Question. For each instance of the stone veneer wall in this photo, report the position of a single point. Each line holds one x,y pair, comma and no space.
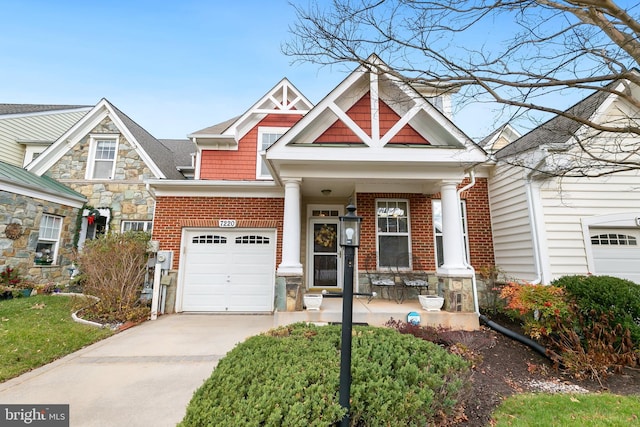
20,253
126,194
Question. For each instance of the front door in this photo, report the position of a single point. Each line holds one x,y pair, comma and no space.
323,250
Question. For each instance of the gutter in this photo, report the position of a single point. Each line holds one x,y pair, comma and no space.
533,220
474,285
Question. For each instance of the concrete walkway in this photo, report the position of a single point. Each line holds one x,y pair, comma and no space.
144,376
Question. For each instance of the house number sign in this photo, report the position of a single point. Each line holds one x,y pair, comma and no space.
226,223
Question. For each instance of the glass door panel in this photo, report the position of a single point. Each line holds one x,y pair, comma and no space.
325,254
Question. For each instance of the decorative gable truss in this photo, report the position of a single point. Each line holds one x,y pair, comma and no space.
373,109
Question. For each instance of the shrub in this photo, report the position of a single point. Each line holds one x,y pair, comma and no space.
290,376
598,295
113,269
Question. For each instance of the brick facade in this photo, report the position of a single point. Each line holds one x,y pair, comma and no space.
175,213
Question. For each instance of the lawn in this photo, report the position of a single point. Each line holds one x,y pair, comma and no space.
37,330
583,410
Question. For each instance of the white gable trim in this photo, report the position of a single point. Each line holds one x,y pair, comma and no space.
81,130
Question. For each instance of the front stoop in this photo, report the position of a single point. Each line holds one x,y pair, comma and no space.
377,313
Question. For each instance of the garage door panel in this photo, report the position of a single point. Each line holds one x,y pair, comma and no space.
616,252
229,271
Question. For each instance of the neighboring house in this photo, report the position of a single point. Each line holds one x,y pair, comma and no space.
544,226
259,221
107,157
499,138
26,130
37,224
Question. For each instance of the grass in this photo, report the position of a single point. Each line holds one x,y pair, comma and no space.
37,330
566,410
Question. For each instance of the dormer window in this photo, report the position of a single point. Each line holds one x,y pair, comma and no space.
102,157
266,137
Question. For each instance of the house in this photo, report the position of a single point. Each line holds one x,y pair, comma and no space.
37,224
96,169
256,227
26,130
585,222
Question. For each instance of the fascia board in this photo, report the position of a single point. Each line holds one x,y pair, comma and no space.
133,141
71,137
38,193
210,188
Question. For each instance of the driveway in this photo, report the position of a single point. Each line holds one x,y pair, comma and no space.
144,376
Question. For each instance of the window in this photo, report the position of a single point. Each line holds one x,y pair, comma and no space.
437,230
102,160
48,238
613,239
392,217
266,137
136,226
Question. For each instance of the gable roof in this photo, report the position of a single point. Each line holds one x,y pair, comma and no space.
403,117
283,98
9,109
559,128
18,180
156,156
499,138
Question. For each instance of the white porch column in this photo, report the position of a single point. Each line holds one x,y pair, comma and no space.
452,239
290,265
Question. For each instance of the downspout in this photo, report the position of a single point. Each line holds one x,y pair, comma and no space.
474,287
533,220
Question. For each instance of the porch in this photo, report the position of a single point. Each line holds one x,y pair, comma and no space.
377,313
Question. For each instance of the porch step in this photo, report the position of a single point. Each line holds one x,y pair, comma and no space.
377,313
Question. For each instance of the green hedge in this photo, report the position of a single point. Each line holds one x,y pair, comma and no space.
290,377
606,295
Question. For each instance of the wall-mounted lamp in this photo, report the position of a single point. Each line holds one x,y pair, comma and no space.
325,192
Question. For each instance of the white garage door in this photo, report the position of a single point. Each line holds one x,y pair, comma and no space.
616,252
229,271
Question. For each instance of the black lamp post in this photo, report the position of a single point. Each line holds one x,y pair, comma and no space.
349,240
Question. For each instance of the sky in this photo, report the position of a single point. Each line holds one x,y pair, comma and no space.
174,67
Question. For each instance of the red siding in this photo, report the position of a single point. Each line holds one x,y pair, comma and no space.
360,113
241,164
174,213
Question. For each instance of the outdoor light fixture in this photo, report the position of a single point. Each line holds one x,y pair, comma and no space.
350,240
350,228
326,192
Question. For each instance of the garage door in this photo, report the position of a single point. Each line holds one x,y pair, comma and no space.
616,252
229,271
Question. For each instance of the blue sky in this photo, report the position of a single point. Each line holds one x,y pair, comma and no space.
172,66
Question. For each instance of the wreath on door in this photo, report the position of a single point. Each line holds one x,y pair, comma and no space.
326,236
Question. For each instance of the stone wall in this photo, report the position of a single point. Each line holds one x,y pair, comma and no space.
19,253
126,194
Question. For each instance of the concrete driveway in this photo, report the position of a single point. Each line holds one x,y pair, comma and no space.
144,376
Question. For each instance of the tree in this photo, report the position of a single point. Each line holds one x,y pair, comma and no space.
524,55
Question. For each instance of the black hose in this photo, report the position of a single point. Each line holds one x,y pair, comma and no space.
514,335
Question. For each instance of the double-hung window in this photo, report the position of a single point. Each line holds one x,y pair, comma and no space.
392,219
437,230
48,239
266,137
102,157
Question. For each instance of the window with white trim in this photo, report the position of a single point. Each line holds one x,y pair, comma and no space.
48,239
102,157
613,239
392,233
437,230
144,226
266,137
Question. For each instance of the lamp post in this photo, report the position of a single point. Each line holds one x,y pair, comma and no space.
349,240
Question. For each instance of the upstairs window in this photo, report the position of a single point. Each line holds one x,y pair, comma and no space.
102,157
266,137
392,218
144,226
